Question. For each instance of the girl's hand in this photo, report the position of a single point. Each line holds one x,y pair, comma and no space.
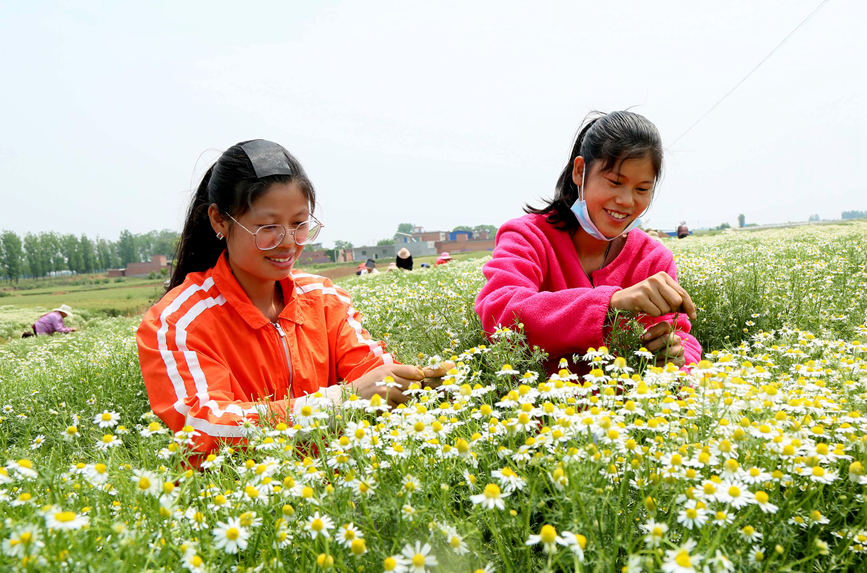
665,344
654,296
403,374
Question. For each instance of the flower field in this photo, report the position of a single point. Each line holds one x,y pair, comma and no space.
753,461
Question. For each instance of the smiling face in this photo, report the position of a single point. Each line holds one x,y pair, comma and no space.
282,204
616,197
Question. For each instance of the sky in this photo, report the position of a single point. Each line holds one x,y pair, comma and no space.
433,113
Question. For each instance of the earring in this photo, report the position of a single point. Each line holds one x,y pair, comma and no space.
220,236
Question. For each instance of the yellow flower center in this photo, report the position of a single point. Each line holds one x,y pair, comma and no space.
492,491
548,534
64,516
358,547
418,558
233,533
683,559
317,525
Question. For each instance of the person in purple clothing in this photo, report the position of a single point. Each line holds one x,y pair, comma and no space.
51,322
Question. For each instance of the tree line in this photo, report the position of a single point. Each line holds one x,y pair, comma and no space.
41,254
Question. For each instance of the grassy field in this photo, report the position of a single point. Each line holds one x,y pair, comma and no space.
753,461
91,297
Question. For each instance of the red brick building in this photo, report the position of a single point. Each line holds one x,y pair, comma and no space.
155,265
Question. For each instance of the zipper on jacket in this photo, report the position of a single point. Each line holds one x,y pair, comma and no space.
286,353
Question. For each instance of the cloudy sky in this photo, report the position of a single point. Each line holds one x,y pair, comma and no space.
434,113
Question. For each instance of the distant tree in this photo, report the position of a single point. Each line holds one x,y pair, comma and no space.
383,242
813,218
741,220
463,228
164,242
51,252
127,248
12,255
490,229
342,244
854,215
105,255
33,256
87,254
723,226
405,228
69,247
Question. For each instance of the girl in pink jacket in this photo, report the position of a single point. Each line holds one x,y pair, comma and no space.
561,268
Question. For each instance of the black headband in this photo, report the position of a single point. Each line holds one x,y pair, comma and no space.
267,158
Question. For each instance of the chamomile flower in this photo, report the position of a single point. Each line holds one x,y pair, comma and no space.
694,515
506,370
454,540
576,543
418,557
762,500
347,533
395,564
37,442
547,537
490,498
107,442
147,482
70,433
230,535
106,419
681,559
23,541
319,525
750,533
56,518
509,480
654,531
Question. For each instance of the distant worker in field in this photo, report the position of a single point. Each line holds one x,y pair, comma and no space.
682,230
241,335
51,322
404,259
444,258
561,268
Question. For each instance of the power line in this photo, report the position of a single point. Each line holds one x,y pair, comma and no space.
757,66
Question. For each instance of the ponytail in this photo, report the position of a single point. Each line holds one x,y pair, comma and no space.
198,247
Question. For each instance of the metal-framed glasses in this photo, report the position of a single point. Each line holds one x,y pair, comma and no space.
268,237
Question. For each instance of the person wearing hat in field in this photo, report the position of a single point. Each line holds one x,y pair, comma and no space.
51,322
444,258
403,259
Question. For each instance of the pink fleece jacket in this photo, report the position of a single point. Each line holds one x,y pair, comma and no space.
535,277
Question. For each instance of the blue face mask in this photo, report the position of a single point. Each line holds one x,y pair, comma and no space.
580,210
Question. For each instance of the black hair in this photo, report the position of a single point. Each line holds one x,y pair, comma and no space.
232,185
609,138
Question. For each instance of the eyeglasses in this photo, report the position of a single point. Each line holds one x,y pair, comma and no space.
268,237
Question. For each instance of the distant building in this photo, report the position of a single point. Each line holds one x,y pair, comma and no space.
155,265
375,252
314,254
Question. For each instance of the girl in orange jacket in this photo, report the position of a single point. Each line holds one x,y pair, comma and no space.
240,334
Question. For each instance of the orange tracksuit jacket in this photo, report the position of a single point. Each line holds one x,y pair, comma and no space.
211,359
